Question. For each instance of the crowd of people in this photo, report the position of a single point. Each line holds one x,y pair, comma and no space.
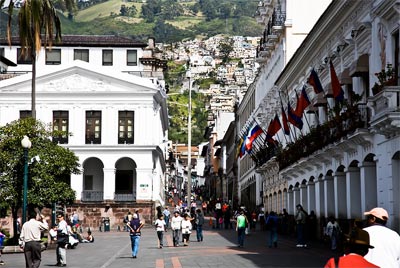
368,243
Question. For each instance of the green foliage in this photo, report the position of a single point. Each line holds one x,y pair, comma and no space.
225,48
175,74
206,83
50,166
178,108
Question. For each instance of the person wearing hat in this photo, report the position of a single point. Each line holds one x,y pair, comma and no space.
386,242
357,244
176,226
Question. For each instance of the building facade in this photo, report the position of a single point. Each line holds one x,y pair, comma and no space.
345,158
91,88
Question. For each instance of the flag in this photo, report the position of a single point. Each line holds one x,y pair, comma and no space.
293,118
273,128
314,81
239,152
254,132
302,103
337,90
285,125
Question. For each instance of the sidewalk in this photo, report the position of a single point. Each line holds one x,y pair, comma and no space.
219,249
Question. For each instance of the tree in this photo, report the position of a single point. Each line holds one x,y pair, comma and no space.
225,48
34,18
50,167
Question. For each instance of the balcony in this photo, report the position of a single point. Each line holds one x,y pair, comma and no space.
339,134
92,196
385,108
125,197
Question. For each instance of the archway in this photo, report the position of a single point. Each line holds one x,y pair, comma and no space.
125,180
93,180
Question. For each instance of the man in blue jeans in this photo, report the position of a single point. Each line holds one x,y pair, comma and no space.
135,226
199,225
241,222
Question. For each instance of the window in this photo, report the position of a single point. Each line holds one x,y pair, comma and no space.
131,57
81,54
60,125
25,114
88,184
24,59
53,56
2,51
125,127
107,57
93,127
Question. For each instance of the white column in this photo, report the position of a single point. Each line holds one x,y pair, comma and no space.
329,197
109,183
303,196
77,184
311,196
290,202
353,193
296,197
368,186
144,184
339,182
319,197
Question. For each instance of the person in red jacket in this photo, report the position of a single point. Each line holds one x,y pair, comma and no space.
356,247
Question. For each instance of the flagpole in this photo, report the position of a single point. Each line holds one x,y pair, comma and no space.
284,134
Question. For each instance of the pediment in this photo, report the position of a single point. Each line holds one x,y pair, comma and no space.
80,78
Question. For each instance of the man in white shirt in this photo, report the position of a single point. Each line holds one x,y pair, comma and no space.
386,242
30,239
62,241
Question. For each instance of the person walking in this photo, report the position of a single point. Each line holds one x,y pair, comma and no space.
186,229
241,223
166,214
386,242
333,231
357,246
30,239
2,238
135,226
176,226
272,223
300,217
62,241
160,228
199,225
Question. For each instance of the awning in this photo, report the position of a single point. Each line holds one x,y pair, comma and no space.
359,67
7,61
218,143
218,152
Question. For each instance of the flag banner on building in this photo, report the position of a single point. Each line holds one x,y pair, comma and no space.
240,150
314,81
302,103
254,132
337,90
273,128
293,118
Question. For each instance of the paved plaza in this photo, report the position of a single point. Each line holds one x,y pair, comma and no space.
219,249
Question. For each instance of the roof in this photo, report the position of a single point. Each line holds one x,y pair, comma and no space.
88,41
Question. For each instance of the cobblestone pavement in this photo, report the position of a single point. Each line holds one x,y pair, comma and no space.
219,249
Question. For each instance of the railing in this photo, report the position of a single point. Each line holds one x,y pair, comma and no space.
388,100
125,197
92,196
322,135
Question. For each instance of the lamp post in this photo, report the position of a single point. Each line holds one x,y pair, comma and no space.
26,144
189,169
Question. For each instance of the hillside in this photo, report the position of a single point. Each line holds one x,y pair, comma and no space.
164,24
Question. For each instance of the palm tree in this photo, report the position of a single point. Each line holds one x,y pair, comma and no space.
38,24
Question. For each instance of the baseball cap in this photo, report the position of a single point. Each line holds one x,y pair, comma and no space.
380,213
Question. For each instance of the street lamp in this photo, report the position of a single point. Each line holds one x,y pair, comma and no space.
189,169
26,144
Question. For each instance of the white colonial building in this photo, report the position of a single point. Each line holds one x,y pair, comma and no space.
346,158
108,93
